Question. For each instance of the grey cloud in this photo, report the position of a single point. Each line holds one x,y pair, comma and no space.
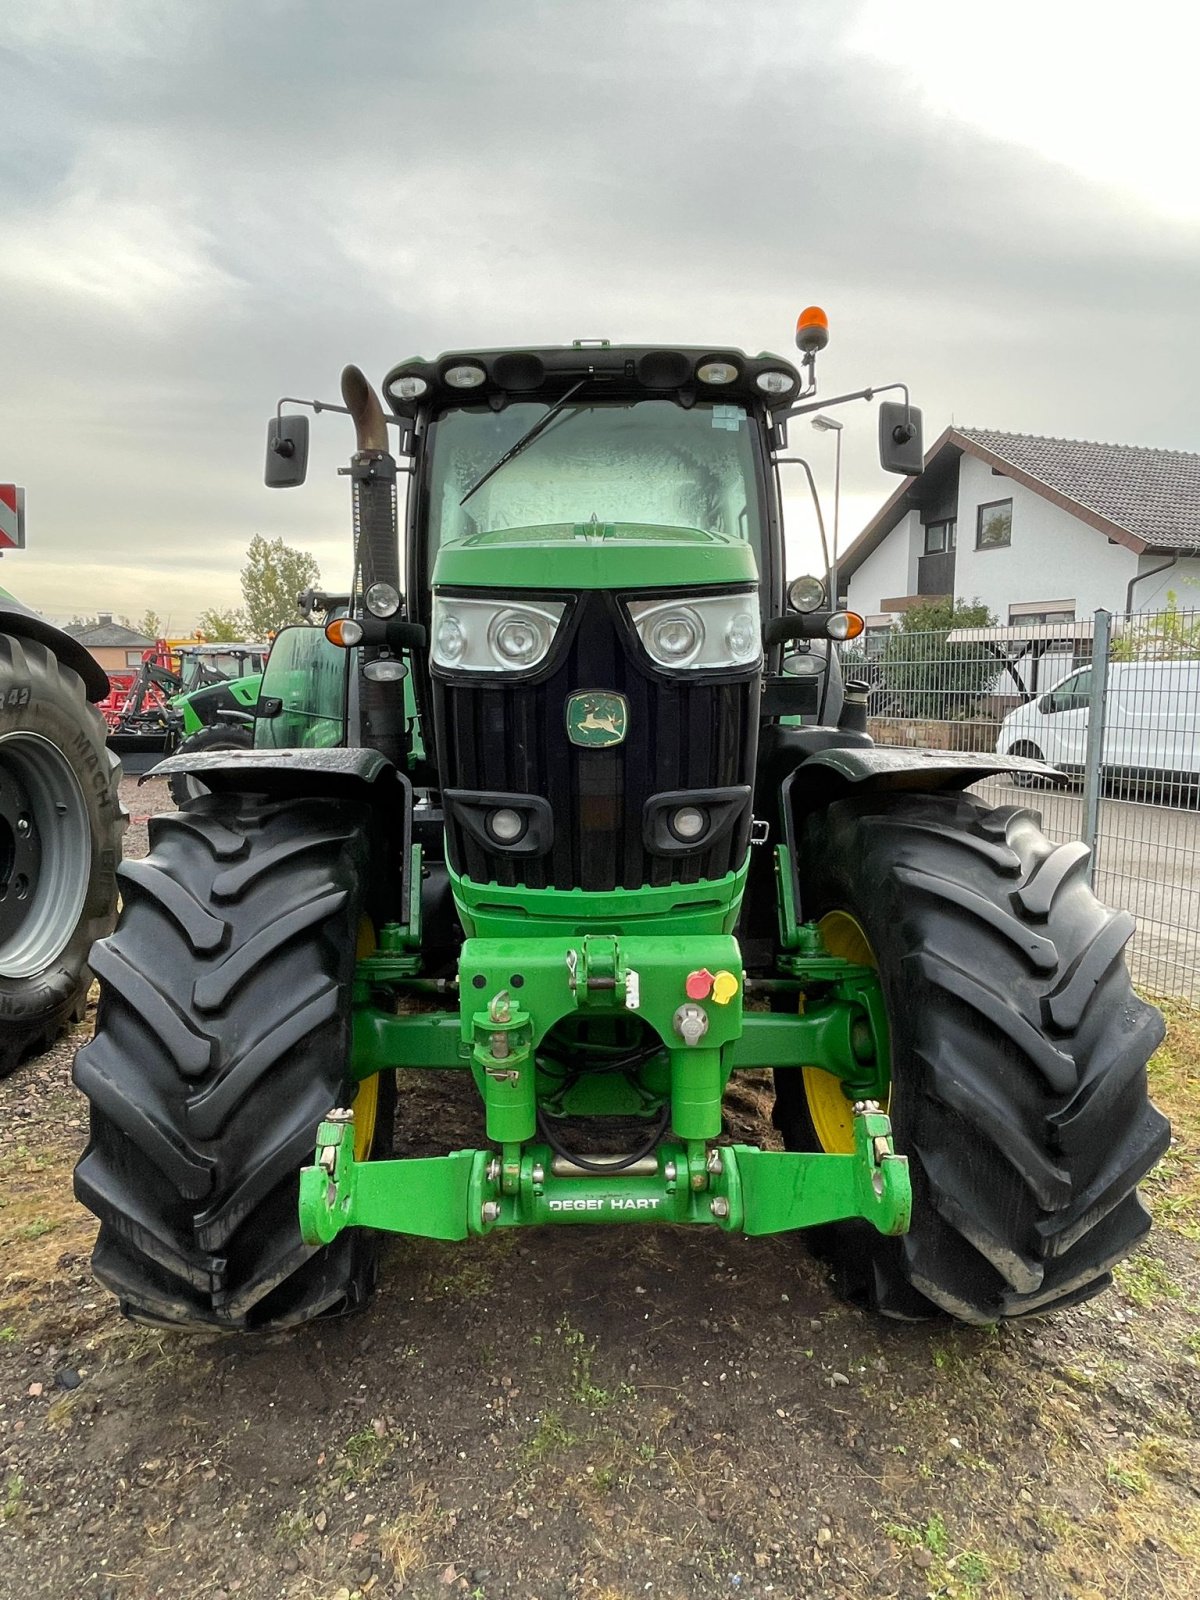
215,204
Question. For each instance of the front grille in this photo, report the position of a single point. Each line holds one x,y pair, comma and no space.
511,738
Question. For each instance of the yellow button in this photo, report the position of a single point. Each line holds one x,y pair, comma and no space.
725,986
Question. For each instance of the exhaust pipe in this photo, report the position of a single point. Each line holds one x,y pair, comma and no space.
366,412
854,706
376,548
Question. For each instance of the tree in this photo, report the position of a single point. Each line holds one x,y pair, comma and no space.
927,677
151,625
273,576
222,627
1166,635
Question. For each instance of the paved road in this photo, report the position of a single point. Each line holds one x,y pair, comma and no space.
1148,862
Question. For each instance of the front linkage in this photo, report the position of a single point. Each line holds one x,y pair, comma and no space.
688,990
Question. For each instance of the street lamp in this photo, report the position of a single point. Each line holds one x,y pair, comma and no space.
831,425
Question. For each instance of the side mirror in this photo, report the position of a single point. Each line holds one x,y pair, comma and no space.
287,452
900,446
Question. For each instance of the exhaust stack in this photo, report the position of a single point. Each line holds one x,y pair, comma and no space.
376,547
366,412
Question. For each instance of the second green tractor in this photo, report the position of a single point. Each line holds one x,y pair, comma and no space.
569,797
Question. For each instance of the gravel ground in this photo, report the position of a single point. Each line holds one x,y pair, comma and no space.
604,1413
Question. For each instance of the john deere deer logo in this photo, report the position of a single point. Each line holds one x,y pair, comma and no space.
596,718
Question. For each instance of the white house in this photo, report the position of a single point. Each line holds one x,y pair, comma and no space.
1039,530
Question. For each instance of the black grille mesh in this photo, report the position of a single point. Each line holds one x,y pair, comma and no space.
512,738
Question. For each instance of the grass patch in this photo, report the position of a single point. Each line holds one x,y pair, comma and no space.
362,1455
12,1499
1146,1281
408,1541
293,1528
551,1436
1173,1189
584,1388
40,1225
952,1573
931,1535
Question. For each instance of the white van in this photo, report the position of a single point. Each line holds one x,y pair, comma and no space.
1151,723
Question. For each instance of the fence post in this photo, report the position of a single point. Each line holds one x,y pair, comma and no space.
1093,761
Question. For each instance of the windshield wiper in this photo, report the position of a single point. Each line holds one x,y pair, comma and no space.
526,438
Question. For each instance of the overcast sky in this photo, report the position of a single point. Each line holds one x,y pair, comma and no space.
207,205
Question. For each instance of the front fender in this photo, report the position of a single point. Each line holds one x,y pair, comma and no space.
25,624
887,767
332,771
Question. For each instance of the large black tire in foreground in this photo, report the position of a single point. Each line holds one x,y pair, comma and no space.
60,841
221,736
1018,1056
222,1039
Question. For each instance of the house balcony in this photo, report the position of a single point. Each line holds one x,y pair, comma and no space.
935,575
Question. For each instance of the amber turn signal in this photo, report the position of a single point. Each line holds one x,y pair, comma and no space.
344,631
845,625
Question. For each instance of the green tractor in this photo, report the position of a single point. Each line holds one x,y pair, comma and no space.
215,708
573,801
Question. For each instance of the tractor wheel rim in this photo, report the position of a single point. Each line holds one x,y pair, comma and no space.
366,1099
366,1111
829,1110
45,853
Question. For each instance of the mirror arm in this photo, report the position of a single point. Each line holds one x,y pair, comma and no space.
327,405
858,394
796,625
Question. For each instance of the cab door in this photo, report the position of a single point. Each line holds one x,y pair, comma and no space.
302,702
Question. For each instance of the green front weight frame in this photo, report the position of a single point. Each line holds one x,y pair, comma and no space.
734,1187
514,992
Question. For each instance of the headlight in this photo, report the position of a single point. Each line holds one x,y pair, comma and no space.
806,594
501,635
702,632
775,382
382,600
467,376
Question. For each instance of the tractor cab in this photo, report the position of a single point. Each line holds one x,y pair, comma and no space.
598,437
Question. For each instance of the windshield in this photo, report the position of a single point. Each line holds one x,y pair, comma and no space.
214,665
645,461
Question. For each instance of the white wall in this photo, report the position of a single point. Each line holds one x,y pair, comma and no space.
1053,556
1182,580
889,571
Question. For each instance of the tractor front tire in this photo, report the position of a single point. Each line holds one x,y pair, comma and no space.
60,841
1018,1056
222,1039
184,786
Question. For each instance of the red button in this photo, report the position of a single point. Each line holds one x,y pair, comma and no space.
699,984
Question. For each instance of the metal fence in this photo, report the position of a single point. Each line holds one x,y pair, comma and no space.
1114,704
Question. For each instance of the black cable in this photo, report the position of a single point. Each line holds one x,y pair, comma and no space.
602,1167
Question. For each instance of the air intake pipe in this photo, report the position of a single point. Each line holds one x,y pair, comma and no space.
376,550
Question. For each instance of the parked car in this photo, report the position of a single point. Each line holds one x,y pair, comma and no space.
1151,724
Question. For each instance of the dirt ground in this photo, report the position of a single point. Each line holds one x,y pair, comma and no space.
603,1413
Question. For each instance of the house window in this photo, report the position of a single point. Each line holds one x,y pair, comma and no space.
993,525
940,537
1042,612
133,658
